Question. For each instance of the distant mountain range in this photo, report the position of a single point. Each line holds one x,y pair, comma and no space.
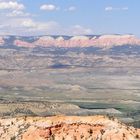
101,41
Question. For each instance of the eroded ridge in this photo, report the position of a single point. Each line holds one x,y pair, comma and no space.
66,128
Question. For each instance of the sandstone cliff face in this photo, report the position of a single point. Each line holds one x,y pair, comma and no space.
66,128
115,40
104,41
1,41
20,43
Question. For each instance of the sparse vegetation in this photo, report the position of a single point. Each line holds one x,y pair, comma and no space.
82,136
74,138
13,138
124,135
90,131
102,131
52,137
137,136
62,130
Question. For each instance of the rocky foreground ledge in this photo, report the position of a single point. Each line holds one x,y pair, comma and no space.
66,128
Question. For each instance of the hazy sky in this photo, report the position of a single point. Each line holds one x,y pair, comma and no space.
36,17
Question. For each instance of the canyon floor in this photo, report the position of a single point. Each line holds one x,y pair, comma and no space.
41,82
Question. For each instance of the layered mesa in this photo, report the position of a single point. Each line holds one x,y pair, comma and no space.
103,41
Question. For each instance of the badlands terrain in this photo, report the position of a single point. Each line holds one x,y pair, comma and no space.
66,128
44,76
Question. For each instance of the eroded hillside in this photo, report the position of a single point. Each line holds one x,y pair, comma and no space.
66,128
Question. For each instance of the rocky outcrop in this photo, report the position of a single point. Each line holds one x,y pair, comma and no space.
20,43
66,128
103,41
115,40
1,41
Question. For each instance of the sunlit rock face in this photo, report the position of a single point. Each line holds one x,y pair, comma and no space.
66,128
60,42
70,128
1,41
115,40
45,41
82,41
103,41
20,43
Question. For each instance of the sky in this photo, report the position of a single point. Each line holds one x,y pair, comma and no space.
69,17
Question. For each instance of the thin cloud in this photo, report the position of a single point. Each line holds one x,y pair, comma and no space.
49,7
125,8
28,26
78,30
71,8
110,8
16,20
18,13
13,5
